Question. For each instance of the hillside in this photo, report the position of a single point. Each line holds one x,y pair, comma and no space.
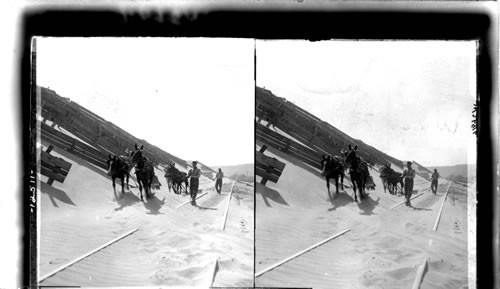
308,129
460,171
243,172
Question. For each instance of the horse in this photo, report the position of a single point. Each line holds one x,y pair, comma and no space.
391,179
332,167
358,170
118,167
168,177
383,177
144,171
176,178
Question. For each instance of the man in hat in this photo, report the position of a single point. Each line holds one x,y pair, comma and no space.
408,175
218,181
434,183
194,182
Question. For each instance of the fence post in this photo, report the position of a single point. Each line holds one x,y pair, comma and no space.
50,181
262,149
73,145
287,145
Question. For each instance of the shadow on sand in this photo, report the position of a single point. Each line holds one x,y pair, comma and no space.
419,209
153,204
205,208
268,193
367,205
339,200
55,193
125,200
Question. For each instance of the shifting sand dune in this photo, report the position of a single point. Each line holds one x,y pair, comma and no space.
172,247
385,244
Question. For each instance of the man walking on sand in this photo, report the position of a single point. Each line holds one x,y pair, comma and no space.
194,182
218,181
408,175
434,183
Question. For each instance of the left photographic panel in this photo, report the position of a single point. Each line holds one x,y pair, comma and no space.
145,151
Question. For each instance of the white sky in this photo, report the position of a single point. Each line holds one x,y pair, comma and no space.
191,97
410,99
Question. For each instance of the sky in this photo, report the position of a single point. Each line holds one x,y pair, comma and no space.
191,97
410,99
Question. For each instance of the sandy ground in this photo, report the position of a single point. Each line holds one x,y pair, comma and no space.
384,247
172,247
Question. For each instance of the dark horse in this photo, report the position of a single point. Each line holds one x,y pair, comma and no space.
332,168
118,168
391,179
358,170
144,171
176,179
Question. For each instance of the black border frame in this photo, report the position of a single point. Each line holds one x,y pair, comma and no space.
279,23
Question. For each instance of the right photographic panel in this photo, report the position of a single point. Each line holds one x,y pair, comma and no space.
365,164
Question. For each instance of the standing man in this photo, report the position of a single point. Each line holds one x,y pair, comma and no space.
218,181
194,182
434,183
408,175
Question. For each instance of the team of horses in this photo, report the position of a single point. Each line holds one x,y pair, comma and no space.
391,179
119,167
176,180
334,167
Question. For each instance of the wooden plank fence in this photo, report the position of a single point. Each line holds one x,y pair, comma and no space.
73,146
56,169
288,146
92,129
266,167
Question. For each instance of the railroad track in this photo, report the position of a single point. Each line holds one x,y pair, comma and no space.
422,268
436,223
213,268
84,256
260,273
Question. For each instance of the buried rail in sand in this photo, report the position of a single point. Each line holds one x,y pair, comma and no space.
199,196
213,272
227,208
300,253
398,204
86,255
419,276
441,208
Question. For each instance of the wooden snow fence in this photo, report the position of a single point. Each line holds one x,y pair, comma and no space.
288,146
92,129
74,146
56,169
266,167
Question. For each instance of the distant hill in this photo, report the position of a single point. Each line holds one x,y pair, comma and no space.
243,172
458,171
